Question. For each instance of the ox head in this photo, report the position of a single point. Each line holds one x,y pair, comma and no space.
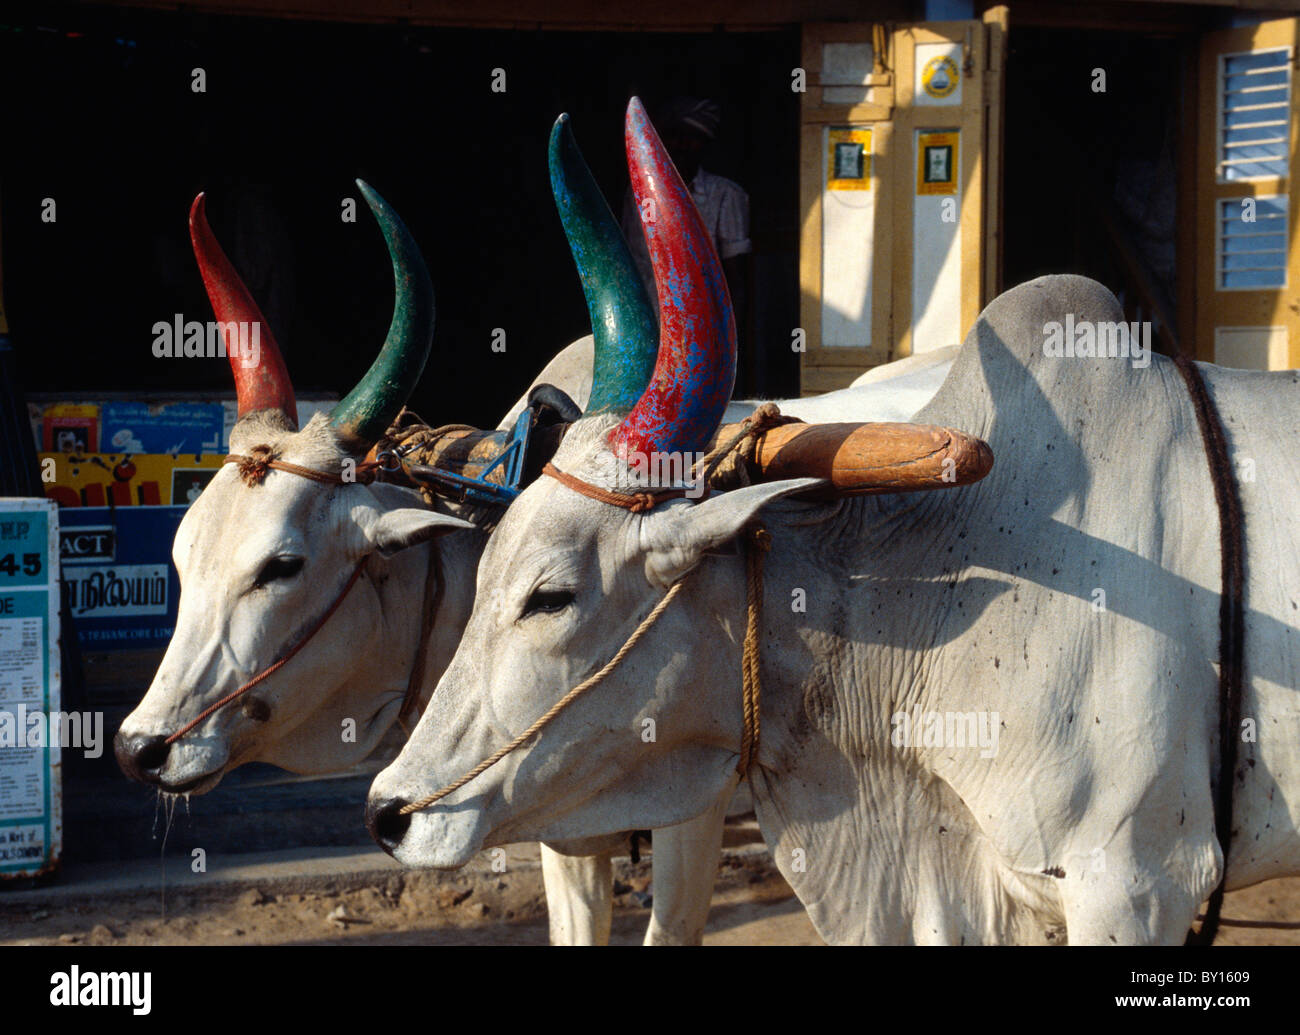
565,581
262,554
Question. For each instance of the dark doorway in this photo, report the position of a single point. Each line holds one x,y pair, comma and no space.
1091,177
110,128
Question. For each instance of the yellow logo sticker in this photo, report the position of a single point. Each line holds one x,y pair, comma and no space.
940,77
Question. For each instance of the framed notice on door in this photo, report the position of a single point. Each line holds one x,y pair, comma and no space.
31,823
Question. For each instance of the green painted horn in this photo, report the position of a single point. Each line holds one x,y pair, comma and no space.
365,414
622,319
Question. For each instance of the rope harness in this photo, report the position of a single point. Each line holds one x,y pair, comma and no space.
758,543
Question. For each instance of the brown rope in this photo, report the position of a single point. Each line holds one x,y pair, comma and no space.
1232,623
741,449
765,416
212,709
636,502
417,438
759,543
414,442
254,468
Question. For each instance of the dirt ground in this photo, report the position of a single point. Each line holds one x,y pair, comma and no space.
752,906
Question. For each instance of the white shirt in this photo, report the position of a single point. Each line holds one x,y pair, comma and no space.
724,206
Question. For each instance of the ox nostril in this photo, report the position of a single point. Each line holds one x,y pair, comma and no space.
151,752
386,823
140,757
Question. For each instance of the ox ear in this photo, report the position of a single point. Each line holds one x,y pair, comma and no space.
391,531
676,539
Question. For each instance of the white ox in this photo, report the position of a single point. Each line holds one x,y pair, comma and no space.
685,859
1085,813
259,563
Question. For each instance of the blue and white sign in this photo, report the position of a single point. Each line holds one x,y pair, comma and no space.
31,812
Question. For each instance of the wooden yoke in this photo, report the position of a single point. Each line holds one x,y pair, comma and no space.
861,459
857,459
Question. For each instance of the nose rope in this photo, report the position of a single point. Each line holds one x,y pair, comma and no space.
212,709
556,708
758,542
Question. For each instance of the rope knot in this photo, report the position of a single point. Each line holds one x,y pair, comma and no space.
767,415
732,464
253,468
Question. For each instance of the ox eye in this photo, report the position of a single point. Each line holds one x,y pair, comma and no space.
278,568
547,601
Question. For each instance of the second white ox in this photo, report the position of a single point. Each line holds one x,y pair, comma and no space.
1079,803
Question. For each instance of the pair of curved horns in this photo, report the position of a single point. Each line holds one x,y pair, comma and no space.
366,412
675,379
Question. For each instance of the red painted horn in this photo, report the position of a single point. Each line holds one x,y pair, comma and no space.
696,368
265,386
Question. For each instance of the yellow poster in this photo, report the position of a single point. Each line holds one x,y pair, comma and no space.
936,163
121,480
70,428
848,159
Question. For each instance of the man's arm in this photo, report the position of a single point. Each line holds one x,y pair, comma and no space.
734,249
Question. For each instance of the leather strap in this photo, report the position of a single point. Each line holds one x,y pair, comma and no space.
1232,622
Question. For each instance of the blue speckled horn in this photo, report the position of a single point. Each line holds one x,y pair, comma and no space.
696,368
